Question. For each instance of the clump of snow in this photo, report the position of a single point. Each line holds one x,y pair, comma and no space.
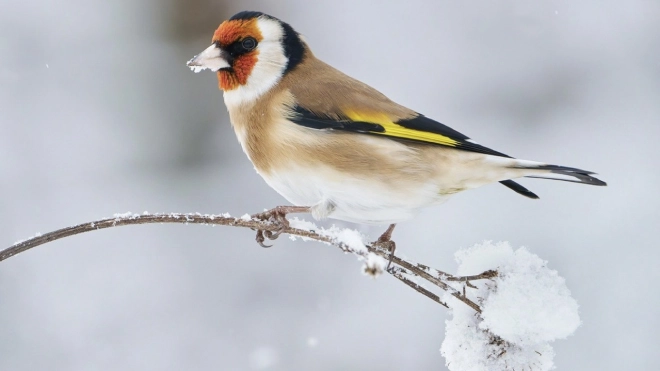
246,217
349,237
524,308
374,266
549,312
468,348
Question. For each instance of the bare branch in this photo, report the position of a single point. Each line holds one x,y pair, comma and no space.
485,275
401,269
399,273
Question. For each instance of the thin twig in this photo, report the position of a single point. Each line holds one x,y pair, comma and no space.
405,267
483,276
398,273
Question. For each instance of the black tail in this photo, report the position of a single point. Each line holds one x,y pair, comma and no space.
567,174
519,189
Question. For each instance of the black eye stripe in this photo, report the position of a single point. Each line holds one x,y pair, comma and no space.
240,47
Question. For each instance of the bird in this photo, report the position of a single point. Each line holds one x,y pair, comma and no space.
336,147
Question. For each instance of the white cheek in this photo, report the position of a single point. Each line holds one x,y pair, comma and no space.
268,70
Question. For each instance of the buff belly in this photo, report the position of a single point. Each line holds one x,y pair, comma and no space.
352,198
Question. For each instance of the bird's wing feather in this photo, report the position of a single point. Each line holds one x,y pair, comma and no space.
327,99
418,128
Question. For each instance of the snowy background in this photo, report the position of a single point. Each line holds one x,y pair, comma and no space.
99,115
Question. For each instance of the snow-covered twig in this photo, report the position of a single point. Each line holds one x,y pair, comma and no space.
520,305
402,269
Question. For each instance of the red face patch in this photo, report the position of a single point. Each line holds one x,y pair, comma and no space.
228,33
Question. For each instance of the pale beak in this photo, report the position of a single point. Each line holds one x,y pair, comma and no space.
212,58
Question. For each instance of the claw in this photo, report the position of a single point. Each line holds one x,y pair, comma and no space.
276,216
260,239
274,235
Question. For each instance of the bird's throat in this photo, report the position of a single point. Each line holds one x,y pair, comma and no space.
239,73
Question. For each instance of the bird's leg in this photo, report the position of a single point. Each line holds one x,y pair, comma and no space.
276,215
385,241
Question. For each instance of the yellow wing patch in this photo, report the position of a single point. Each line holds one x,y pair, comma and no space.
392,129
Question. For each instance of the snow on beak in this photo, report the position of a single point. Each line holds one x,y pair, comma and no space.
213,58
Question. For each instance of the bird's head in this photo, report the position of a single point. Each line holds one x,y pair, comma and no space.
251,52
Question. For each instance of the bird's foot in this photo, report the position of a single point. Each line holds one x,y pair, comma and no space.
385,242
277,216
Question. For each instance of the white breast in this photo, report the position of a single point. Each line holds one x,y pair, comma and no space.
351,198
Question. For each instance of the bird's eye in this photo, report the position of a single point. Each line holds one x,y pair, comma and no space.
249,43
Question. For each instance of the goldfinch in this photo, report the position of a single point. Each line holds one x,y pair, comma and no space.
336,147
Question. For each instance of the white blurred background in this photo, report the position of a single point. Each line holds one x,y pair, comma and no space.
99,115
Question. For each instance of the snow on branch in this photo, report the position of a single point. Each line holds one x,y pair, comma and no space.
507,306
525,308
